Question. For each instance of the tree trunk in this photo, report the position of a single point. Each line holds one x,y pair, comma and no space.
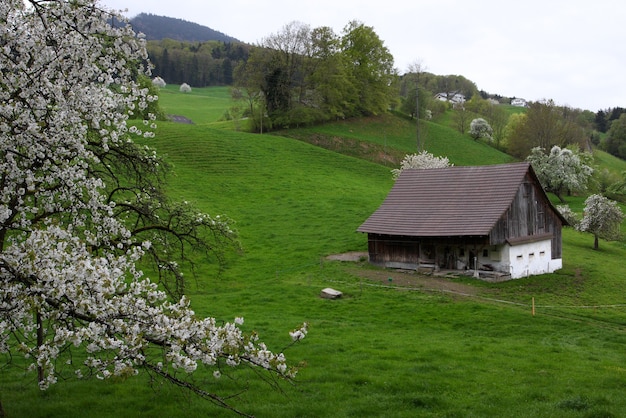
595,242
40,376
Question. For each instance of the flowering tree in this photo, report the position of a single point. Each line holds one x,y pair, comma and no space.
602,217
422,160
570,216
159,82
480,128
81,204
561,170
185,88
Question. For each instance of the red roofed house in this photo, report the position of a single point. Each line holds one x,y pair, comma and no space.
493,221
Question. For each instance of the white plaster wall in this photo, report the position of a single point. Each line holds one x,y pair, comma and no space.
530,258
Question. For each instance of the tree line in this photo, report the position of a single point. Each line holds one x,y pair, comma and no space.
612,122
198,64
302,75
545,124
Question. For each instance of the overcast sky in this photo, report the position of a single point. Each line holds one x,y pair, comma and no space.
573,52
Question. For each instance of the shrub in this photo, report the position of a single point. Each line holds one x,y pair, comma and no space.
158,82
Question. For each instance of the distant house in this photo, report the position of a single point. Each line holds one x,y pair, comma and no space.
493,222
451,97
519,102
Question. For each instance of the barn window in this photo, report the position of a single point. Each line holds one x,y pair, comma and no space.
485,253
520,257
542,253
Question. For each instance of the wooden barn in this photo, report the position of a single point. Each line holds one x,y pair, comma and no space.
494,222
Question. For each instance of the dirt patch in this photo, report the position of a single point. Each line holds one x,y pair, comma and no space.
351,256
413,280
404,278
180,119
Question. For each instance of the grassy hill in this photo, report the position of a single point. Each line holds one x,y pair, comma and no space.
203,106
395,345
386,139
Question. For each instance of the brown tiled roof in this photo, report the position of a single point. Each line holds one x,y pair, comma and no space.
444,202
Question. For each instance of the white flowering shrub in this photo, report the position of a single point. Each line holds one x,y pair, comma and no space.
480,128
159,82
81,204
422,160
561,169
602,217
185,88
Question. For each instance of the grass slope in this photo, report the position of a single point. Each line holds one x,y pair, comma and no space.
386,349
386,139
281,192
202,105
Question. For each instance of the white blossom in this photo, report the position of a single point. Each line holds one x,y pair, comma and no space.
480,128
602,217
423,160
185,88
67,81
299,333
561,169
159,82
568,214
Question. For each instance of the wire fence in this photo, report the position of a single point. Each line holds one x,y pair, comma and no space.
485,298
531,305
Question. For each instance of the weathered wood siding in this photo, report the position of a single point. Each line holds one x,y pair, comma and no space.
386,248
415,250
530,214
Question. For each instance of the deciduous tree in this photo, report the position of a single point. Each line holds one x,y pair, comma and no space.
602,217
494,114
561,170
480,128
81,204
159,82
461,117
371,66
309,75
544,126
185,88
331,89
421,161
570,216
415,99
615,142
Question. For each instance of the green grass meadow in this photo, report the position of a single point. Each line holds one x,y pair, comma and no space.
386,348
203,106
